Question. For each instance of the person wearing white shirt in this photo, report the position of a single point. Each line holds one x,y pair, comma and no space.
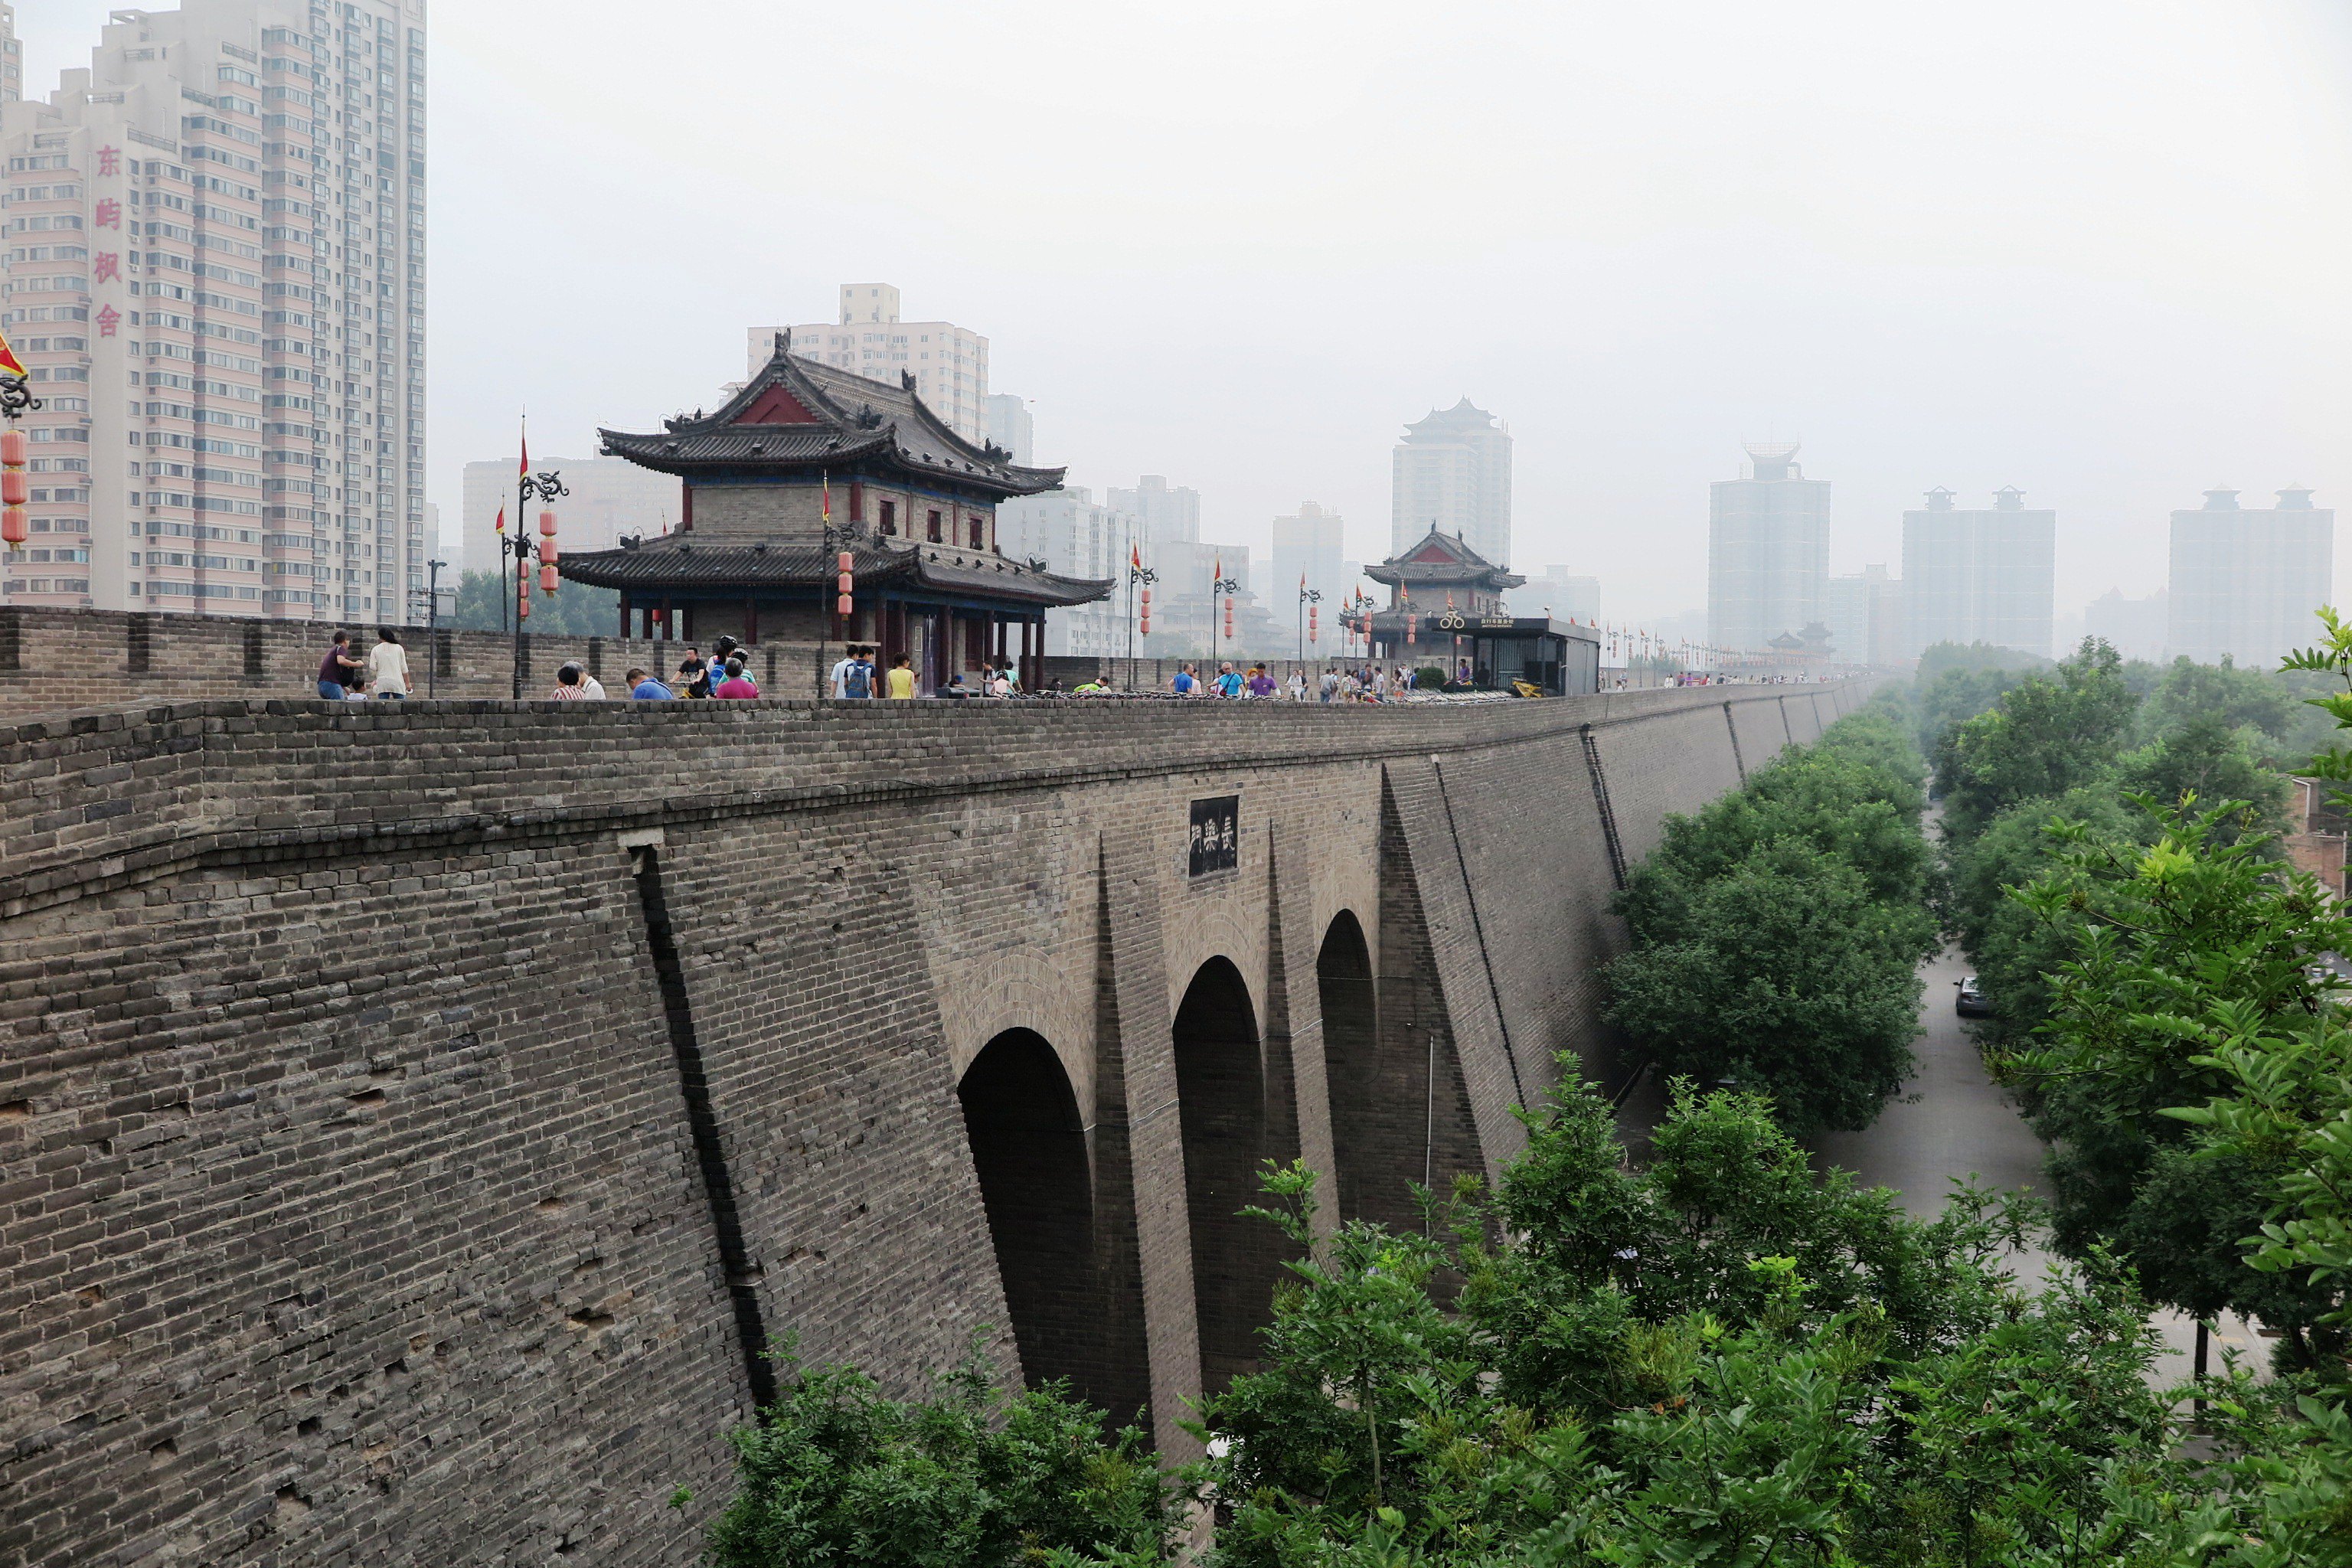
387,664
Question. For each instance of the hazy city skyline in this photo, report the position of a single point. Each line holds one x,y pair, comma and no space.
2088,253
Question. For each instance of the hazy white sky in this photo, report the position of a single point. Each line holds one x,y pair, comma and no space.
2095,249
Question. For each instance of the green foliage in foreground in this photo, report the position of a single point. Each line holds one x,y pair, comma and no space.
1776,935
834,1473
1720,1358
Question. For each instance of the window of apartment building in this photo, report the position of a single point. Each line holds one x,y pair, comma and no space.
935,528
889,518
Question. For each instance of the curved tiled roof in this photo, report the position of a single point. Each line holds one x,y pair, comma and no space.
847,417
679,561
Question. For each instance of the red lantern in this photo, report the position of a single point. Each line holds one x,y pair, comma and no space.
16,489
522,594
13,530
1229,617
1312,611
547,524
1147,611
547,552
547,578
12,449
843,606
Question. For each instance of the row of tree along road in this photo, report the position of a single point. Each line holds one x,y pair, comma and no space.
1717,1355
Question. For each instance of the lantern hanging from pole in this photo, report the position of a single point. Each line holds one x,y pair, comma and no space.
13,530
547,524
1311,614
547,577
1147,611
845,585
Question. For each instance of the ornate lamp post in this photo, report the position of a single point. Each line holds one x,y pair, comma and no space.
1138,577
1308,598
545,487
431,617
1226,587
16,400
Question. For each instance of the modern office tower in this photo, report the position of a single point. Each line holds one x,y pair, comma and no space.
1865,618
1768,565
1169,516
2132,627
1979,576
1310,544
2246,580
610,497
949,364
215,270
1011,426
1560,593
12,56
1453,472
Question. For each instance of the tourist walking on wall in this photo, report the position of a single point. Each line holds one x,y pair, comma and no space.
1186,683
1260,684
387,664
737,687
567,685
1229,681
902,680
338,670
694,673
644,688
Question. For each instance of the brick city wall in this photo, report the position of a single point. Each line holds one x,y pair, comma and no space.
409,1115
69,661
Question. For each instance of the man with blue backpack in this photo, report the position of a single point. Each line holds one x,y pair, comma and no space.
853,678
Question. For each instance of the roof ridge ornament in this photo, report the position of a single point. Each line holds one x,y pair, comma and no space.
783,342
905,381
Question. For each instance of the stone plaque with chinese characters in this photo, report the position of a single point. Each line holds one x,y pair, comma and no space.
1217,834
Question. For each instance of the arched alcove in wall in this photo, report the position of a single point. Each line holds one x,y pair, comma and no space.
1029,1149
1343,980
1222,1098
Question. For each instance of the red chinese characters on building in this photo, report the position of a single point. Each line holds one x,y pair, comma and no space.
109,160
108,215
107,269
109,320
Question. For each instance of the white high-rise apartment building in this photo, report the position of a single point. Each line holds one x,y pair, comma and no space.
1979,576
1767,560
213,266
1011,425
2247,580
2132,627
12,56
949,365
1310,546
1169,515
609,497
1453,472
1079,537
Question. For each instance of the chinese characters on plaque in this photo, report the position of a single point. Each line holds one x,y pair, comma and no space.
1217,834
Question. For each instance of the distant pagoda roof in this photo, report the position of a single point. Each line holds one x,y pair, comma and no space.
796,414
678,561
1443,560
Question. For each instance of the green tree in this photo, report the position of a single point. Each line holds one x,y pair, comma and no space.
2015,949
1777,932
2045,737
2162,938
576,610
834,1473
1786,973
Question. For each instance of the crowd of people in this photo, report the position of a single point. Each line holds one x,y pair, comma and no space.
724,676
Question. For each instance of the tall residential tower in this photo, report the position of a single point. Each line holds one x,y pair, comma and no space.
1975,577
2246,580
215,269
949,363
1452,472
1767,560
